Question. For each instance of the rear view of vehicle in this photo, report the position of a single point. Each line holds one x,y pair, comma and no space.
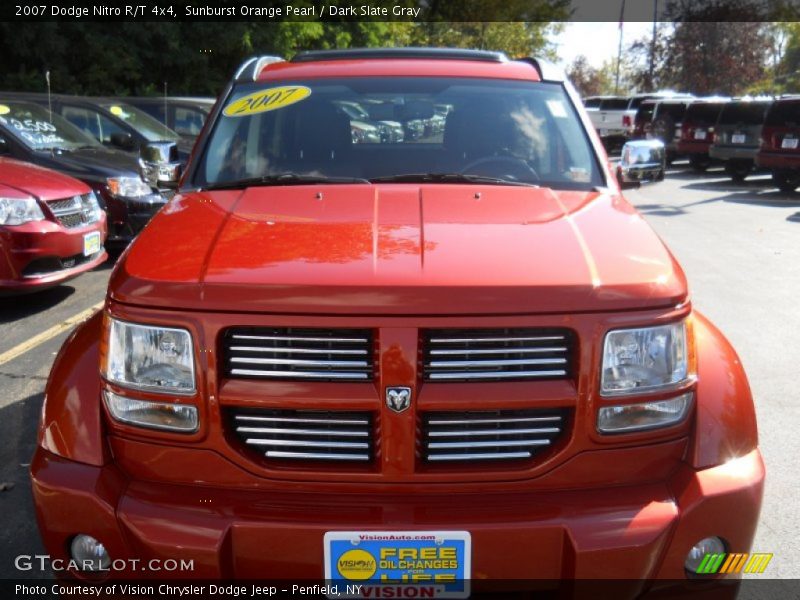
697,132
780,143
612,121
643,121
666,124
51,228
737,135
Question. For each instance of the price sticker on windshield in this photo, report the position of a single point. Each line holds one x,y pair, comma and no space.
266,100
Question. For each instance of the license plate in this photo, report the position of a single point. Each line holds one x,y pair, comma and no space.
603,132
789,143
699,134
91,243
372,564
738,138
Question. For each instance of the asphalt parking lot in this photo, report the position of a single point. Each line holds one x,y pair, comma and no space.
740,247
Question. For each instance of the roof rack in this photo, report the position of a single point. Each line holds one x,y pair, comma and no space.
250,69
547,70
413,53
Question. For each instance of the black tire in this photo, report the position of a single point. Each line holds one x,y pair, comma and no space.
699,162
787,181
738,171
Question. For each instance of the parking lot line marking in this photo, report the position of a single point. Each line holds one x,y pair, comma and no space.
49,334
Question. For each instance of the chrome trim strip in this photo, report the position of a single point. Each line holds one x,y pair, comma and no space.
301,421
500,432
491,456
306,443
500,420
496,375
283,338
302,374
299,361
488,444
290,431
295,350
442,352
495,363
541,338
315,455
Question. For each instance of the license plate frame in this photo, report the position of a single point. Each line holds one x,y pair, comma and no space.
789,143
452,550
91,243
700,134
738,138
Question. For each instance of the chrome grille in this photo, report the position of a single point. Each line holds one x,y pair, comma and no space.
70,212
299,353
489,435
306,435
497,354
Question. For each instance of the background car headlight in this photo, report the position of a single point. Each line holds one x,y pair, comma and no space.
645,359
626,418
16,211
158,359
130,187
154,415
91,207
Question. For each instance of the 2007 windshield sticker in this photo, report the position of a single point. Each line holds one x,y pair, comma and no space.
266,100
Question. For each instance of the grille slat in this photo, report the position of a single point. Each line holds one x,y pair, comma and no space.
488,435
306,435
497,354
299,353
70,212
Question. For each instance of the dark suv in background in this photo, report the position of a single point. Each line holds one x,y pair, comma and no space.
661,119
183,115
780,143
697,131
29,132
737,135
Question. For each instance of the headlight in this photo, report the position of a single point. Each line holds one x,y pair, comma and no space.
16,211
91,207
643,360
155,415
130,187
158,359
626,418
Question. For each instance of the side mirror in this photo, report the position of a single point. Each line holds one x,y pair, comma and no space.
159,164
642,161
122,140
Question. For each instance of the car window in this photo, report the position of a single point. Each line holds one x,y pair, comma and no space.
674,110
645,112
703,112
591,102
784,113
38,129
746,113
188,121
92,122
384,127
152,130
614,104
155,110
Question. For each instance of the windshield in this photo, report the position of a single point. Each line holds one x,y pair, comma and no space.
409,129
746,113
149,127
35,127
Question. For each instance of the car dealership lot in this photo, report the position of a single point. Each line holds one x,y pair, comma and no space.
740,246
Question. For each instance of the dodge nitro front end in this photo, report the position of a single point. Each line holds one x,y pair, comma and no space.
447,361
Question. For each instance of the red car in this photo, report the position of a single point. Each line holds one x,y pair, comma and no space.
780,143
463,361
697,131
51,228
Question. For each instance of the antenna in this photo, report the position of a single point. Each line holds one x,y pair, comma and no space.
166,115
49,100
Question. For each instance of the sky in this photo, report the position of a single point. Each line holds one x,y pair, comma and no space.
597,41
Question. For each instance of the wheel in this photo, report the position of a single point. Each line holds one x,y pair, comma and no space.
737,171
787,181
699,162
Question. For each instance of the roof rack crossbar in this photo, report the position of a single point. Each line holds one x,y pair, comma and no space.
400,53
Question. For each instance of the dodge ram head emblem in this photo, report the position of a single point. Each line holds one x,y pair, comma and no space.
398,398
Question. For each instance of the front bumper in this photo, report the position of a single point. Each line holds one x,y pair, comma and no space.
128,216
42,254
635,533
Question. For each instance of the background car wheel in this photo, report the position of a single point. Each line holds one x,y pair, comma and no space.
787,181
737,171
699,162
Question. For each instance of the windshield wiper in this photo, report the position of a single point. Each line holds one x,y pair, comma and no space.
448,178
282,179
